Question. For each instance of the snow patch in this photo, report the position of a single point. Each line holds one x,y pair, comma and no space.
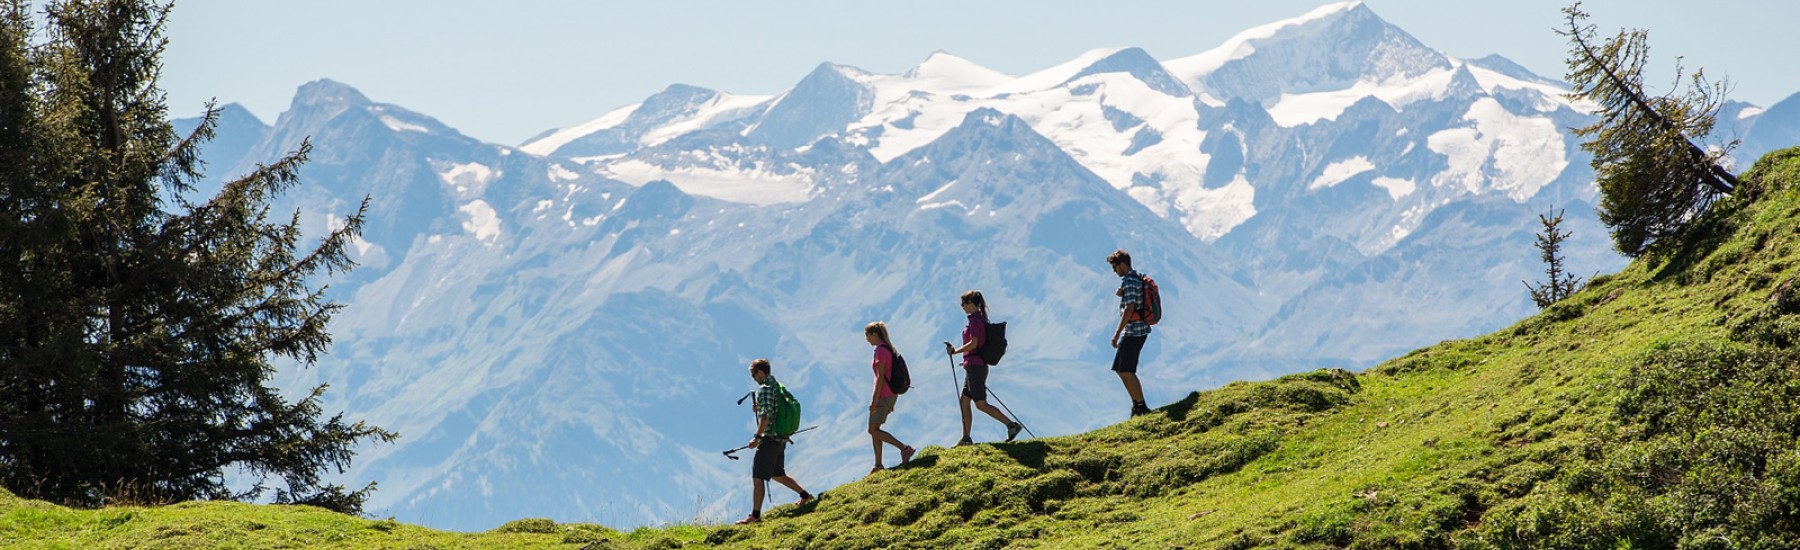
480,220
365,253
1500,151
1211,213
1395,187
1750,112
469,179
558,173
1052,77
1341,170
756,185
550,143
723,107
930,200
1291,110
401,126
1548,97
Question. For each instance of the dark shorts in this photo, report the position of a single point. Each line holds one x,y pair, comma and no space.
1126,360
975,384
770,461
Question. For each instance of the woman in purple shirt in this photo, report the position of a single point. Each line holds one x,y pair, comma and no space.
975,384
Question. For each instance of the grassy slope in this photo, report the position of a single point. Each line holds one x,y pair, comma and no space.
1649,410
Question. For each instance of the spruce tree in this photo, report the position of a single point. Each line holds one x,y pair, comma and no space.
1549,244
1653,178
139,326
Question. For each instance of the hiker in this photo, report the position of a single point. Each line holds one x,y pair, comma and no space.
881,402
975,369
1131,326
770,447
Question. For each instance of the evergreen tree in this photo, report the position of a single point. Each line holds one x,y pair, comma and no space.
1549,244
1653,179
138,329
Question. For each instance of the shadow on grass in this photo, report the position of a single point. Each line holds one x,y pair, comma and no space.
927,461
1178,411
1028,453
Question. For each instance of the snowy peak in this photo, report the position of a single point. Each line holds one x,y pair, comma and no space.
675,110
1137,63
964,159
827,100
1332,47
1507,67
673,101
942,71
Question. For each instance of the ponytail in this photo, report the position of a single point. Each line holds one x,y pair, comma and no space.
880,329
974,296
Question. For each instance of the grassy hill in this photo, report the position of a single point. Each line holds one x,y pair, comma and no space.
1655,409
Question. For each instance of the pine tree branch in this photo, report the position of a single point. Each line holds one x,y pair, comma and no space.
1719,179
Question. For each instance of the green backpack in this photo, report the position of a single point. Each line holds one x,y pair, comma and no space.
787,412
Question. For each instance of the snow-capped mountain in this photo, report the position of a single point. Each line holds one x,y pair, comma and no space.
561,329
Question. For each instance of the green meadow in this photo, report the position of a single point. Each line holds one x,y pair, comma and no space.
1653,409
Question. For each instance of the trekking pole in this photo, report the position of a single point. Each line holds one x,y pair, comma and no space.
955,384
1015,416
732,456
789,437
728,454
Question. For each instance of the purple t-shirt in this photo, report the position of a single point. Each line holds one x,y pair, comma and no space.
884,360
975,332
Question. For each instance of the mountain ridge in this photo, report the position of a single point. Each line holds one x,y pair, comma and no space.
504,296
1538,435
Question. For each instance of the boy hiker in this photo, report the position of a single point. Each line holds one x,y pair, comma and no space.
1131,326
770,447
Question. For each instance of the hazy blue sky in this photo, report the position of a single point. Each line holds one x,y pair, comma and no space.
505,71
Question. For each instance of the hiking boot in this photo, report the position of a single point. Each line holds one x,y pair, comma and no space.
752,518
965,441
906,454
1138,410
1012,431
805,498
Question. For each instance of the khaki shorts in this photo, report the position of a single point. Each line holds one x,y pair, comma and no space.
879,414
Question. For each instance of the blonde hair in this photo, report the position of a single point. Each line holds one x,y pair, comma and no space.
879,328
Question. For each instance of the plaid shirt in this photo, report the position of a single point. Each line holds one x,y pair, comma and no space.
768,399
1131,296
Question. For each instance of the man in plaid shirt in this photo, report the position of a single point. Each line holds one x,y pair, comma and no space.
1131,326
771,449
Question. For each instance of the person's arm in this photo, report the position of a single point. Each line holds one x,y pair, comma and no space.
1124,319
1126,308
974,343
762,422
875,394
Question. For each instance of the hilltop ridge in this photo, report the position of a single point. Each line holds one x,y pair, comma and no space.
1651,409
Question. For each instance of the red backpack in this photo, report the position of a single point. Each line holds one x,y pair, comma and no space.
1150,312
